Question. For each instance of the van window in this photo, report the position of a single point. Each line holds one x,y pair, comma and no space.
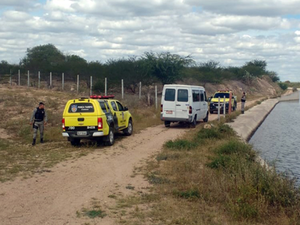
196,95
205,97
202,99
170,95
182,95
81,108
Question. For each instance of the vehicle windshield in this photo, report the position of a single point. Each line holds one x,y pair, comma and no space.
221,95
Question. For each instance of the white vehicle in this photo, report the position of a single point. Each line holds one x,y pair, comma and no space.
183,103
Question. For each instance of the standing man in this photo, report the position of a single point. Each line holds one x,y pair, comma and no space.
38,120
243,101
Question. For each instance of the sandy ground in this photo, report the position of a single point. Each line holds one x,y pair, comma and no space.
55,197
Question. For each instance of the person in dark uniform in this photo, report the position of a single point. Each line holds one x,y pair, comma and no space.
243,102
38,120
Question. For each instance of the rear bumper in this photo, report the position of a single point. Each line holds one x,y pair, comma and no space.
170,119
90,134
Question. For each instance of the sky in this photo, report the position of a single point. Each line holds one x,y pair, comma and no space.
231,32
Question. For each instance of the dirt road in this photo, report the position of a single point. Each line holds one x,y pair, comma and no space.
54,197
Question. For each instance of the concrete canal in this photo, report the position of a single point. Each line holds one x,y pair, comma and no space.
277,139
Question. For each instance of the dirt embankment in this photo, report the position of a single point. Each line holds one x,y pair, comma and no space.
257,87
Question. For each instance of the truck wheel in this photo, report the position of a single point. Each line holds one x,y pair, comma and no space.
129,130
167,123
109,140
75,141
206,118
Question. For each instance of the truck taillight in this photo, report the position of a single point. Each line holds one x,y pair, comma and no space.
191,110
100,123
63,124
161,108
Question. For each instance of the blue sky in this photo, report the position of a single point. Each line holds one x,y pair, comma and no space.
231,32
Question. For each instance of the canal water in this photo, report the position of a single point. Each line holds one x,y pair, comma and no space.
278,139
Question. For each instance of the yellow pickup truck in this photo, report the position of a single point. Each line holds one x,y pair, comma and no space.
214,101
96,117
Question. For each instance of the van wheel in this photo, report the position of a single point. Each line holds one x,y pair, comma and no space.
75,141
194,122
167,123
206,118
129,130
109,140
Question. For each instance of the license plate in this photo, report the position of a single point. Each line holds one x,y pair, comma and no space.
81,133
169,112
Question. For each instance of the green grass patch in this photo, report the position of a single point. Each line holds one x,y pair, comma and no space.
181,145
95,213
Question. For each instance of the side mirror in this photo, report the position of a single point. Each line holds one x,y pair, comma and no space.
125,108
209,98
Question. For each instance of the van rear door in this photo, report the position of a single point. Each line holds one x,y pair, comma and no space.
169,103
182,103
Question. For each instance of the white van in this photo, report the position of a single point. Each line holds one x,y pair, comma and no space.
183,103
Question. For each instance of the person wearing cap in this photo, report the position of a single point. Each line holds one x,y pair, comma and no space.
38,120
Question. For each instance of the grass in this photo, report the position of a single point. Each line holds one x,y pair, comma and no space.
210,177
93,212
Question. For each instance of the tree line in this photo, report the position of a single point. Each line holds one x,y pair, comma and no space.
148,68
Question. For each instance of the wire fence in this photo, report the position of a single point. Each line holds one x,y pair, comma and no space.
61,82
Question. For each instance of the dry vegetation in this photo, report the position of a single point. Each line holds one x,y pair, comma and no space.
211,177
18,157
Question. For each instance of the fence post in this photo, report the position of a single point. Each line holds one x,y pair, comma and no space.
122,88
50,80
156,96
105,83
19,77
91,85
39,80
28,78
10,79
62,81
77,84
224,107
219,109
140,90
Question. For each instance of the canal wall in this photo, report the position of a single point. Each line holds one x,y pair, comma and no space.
292,97
246,124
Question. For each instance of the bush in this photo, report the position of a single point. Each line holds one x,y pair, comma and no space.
181,145
216,132
283,86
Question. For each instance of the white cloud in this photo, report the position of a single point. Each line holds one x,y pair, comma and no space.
231,32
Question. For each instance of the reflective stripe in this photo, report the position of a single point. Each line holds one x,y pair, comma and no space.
65,134
98,134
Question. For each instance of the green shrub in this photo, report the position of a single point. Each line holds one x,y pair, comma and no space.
283,86
216,132
189,194
181,145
